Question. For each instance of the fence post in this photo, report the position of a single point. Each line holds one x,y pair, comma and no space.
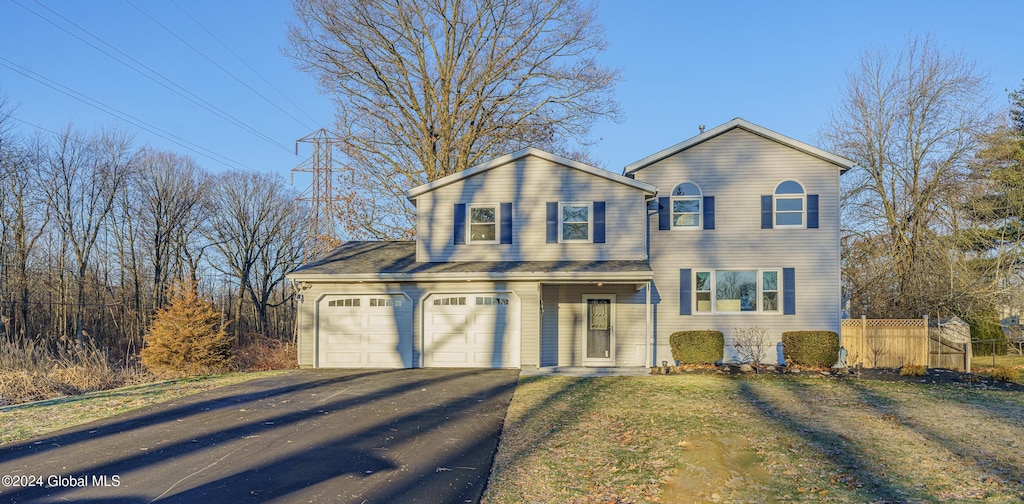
863,336
926,343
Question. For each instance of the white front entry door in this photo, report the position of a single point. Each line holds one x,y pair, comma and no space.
598,329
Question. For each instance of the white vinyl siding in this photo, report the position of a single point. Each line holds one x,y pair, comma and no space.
529,184
739,167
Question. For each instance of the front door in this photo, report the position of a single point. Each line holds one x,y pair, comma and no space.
599,330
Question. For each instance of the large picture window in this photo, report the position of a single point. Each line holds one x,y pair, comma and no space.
736,291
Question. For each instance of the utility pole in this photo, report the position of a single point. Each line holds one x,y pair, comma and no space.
321,235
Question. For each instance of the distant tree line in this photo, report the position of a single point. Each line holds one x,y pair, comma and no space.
95,232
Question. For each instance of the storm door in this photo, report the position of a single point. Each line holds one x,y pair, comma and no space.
599,330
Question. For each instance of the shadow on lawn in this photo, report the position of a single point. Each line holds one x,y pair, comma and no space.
827,442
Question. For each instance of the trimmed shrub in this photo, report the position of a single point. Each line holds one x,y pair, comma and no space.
810,348
697,347
186,337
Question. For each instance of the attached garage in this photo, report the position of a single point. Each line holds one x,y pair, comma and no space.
471,330
364,331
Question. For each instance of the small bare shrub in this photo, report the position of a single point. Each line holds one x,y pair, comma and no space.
752,344
186,337
913,370
260,353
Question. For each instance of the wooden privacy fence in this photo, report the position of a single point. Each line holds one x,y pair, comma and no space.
894,343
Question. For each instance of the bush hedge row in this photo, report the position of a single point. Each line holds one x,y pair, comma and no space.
697,347
810,348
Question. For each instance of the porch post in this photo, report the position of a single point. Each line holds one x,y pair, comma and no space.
648,329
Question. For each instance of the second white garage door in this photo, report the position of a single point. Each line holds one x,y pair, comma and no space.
471,330
365,331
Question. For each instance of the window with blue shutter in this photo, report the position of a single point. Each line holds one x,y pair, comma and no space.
685,291
552,221
459,229
788,291
766,211
812,211
664,214
506,223
709,212
598,222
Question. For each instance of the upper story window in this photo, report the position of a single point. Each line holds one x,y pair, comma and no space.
575,221
789,205
686,206
483,223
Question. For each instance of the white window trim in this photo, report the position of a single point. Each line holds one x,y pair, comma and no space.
714,289
469,224
803,206
700,208
590,221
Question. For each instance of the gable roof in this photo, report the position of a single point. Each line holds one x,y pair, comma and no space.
515,156
396,261
843,163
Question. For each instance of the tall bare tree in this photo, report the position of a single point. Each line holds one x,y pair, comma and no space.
424,89
87,174
253,227
911,120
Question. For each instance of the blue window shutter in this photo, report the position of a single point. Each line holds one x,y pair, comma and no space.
598,222
812,211
788,291
506,223
664,213
766,211
460,224
685,291
709,212
552,222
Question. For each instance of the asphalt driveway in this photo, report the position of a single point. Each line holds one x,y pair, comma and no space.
388,436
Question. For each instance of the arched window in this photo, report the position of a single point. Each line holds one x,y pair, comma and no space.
686,206
790,204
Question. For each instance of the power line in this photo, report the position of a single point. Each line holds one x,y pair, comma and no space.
184,93
214,63
233,53
139,123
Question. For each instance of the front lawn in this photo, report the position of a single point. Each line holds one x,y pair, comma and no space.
713,438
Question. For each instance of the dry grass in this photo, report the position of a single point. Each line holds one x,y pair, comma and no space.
260,353
709,438
31,372
25,421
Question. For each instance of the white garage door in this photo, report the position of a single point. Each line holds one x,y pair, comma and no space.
471,330
367,331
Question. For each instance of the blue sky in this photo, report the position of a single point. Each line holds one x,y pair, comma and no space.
779,64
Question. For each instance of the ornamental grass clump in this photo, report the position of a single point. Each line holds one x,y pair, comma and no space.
186,338
697,347
1006,374
913,370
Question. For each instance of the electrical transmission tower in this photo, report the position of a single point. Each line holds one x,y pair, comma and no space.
321,235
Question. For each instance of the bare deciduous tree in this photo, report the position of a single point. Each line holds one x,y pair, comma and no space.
87,174
424,89
911,120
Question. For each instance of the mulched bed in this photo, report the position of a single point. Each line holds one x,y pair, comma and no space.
934,376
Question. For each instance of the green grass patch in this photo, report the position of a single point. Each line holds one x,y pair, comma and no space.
702,438
24,421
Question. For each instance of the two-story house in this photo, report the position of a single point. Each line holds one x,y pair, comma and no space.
536,260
